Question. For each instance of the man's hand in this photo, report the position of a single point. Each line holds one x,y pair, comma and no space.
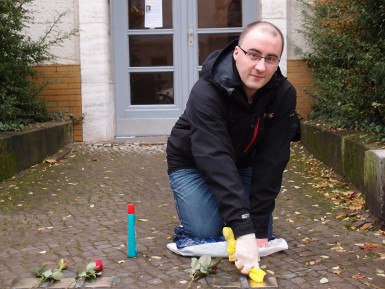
263,243
246,253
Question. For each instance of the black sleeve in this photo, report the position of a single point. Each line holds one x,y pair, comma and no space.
214,155
272,156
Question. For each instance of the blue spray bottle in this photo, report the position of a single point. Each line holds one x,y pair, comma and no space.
131,231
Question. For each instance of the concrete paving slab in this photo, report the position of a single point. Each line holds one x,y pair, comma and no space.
68,283
268,282
242,282
28,283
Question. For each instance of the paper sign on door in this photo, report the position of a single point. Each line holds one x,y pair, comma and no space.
153,16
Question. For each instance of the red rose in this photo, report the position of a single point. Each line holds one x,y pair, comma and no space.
62,264
99,266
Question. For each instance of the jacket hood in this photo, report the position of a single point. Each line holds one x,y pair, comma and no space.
220,67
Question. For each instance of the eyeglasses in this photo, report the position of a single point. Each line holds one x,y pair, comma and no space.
255,56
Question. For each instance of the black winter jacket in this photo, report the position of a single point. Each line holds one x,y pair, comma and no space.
220,132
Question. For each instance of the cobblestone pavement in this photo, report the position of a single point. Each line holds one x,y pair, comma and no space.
76,208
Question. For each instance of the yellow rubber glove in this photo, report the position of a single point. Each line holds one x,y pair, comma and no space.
231,243
255,274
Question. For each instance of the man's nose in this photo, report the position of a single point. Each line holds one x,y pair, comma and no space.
260,65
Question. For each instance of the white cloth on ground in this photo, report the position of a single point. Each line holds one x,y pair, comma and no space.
219,249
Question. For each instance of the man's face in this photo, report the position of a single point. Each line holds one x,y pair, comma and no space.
263,40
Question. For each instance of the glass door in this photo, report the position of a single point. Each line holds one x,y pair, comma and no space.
150,67
155,67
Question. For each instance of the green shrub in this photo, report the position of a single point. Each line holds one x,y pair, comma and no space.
347,59
19,103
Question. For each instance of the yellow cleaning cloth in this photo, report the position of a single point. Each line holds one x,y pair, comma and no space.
255,274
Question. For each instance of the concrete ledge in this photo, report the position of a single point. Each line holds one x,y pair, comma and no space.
20,150
374,182
361,164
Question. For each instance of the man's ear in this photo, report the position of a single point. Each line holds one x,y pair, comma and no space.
235,53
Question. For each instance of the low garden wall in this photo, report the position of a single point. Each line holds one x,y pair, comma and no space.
21,150
361,164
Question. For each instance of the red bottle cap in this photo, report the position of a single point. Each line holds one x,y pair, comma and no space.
131,209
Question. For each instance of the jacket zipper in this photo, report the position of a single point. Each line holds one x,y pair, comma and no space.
254,136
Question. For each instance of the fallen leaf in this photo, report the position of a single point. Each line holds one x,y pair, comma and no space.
358,276
51,161
370,246
142,220
306,240
337,248
324,280
366,226
353,207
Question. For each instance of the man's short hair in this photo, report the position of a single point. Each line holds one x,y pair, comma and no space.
258,23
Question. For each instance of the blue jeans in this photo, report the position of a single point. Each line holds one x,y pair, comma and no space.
196,205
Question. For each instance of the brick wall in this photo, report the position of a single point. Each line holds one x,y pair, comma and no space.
63,92
300,76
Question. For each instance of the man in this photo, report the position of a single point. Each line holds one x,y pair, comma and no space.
226,154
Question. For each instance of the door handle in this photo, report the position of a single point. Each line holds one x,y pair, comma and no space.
191,35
